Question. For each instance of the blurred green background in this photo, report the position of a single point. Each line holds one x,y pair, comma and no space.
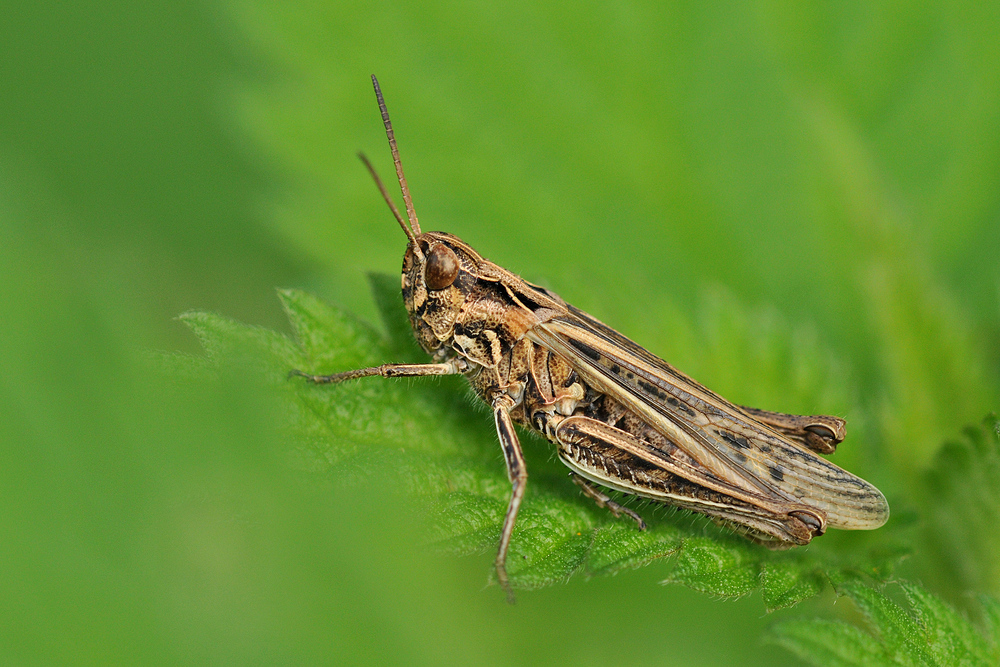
837,163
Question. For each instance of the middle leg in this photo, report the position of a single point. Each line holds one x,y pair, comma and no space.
604,500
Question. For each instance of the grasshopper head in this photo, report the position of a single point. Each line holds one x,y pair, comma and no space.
439,274
438,269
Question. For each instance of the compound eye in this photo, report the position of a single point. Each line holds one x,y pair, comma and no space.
442,267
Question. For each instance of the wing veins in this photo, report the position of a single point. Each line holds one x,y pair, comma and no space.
857,500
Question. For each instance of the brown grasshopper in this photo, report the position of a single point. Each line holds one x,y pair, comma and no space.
619,416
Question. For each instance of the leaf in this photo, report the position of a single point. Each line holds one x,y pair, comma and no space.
961,486
930,632
962,509
951,639
429,442
618,546
899,632
326,335
784,584
732,568
991,621
727,571
389,301
830,643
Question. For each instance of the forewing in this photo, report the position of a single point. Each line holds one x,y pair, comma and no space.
718,435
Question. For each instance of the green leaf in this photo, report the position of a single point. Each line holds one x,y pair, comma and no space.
328,336
785,584
951,639
618,546
830,643
961,510
723,570
929,633
386,292
422,436
899,632
231,344
991,621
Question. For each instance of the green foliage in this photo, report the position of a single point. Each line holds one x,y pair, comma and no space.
959,511
831,165
925,632
424,437
961,504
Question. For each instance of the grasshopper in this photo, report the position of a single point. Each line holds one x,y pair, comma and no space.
620,417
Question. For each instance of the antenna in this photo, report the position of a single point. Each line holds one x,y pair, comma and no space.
410,213
392,206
